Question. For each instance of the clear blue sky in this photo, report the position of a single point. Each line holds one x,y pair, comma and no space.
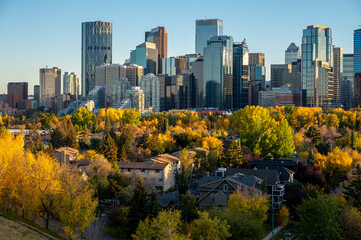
35,34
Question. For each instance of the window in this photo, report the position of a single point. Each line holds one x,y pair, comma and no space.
225,187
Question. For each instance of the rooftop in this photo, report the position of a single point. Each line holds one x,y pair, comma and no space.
142,165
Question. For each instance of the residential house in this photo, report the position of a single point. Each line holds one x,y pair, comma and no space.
66,154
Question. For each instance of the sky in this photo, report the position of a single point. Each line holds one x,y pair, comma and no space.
35,34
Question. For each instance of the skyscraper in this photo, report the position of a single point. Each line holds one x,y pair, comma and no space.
134,73
136,96
71,84
240,74
150,85
316,45
96,50
337,75
37,95
197,70
347,81
50,85
357,51
280,74
107,74
17,91
206,28
257,69
159,36
218,72
146,55
168,66
292,53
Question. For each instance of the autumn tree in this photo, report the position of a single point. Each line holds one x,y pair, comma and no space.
64,135
82,118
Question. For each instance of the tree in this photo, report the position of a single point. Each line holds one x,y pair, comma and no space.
319,218
182,181
232,156
109,148
205,228
314,133
38,143
283,216
64,134
189,206
153,205
31,146
353,190
351,223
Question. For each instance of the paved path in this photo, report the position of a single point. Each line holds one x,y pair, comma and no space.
269,236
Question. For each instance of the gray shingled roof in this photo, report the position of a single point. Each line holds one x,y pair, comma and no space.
142,165
270,175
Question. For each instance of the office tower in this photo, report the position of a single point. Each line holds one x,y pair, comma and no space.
347,81
320,85
257,69
96,50
164,83
17,91
71,84
150,85
97,95
4,98
337,75
134,73
197,70
118,91
282,74
50,85
205,29
316,45
357,90
37,95
357,51
292,53
179,93
168,66
218,72
159,36
146,55
183,63
106,75
136,96
180,65
240,74
283,96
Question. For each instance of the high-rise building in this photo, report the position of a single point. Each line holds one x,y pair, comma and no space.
197,70
240,74
96,50
136,96
134,73
50,85
107,74
257,69
17,91
71,84
347,81
205,29
146,55
183,63
337,75
37,95
168,66
280,74
218,72
118,91
357,51
316,45
159,36
164,83
150,85
292,53
357,90
320,85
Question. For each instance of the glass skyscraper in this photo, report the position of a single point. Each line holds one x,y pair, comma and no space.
240,74
357,51
96,49
316,45
292,53
206,28
347,81
146,55
218,72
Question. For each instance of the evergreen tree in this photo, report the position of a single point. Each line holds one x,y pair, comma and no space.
189,205
232,156
71,135
109,148
31,146
182,181
153,205
38,143
314,133
353,190
50,151
138,209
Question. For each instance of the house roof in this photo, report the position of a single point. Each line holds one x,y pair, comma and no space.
83,162
142,165
164,158
284,173
270,175
68,151
166,199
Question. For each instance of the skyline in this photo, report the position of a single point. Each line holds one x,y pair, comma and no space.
29,42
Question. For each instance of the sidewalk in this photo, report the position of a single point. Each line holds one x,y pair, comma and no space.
269,236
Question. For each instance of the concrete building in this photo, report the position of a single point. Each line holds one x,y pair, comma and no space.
71,84
96,49
118,91
240,74
316,46
146,55
347,91
337,75
97,95
159,36
197,70
134,73
50,85
150,85
283,96
218,72
107,74
168,66
136,96
205,29
17,91
292,53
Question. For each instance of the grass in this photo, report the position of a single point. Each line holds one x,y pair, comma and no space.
14,227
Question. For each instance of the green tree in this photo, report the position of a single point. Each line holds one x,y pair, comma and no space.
153,205
350,219
232,156
314,133
352,191
205,228
109,148
64,135
38,143
188,203
82,117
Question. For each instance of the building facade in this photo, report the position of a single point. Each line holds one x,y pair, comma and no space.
146,55
240,74
257,69
197,70
357,51
292,53
159,36
316,45
337,75
37,95
71,84
347,81
118,91
50,85
205,29
17,91
168,66
96,50
218,72
107,74
150,85
136,96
